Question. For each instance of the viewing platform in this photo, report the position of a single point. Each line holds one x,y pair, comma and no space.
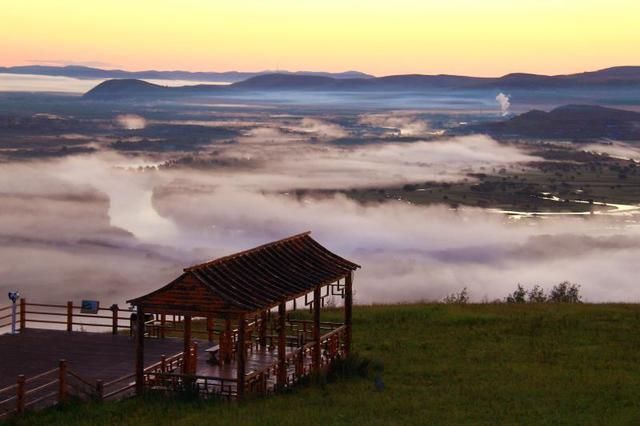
221,330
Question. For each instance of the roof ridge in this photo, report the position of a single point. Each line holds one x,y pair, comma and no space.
245,252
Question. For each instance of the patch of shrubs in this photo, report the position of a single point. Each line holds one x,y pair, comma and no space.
460,298
565,292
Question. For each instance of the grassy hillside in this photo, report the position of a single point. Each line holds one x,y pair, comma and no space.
443,364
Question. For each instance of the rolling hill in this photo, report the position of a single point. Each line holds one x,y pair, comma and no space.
569,122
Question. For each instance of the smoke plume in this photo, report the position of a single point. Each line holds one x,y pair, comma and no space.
504,101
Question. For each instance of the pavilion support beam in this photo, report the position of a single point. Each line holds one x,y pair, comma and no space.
348,312
316,330
210,328
262,336
186,360
228,341
241,357
139,350
282,346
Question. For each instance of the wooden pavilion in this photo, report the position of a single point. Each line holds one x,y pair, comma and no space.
242,291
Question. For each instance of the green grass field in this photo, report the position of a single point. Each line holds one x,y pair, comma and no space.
443,364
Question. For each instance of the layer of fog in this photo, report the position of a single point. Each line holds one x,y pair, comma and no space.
45,83
615,149
86,227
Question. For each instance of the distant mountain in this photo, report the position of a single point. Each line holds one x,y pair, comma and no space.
576,122
611,77
131,88
82,72
607,78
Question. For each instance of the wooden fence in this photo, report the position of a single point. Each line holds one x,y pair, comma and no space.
43,390
257,382
55,386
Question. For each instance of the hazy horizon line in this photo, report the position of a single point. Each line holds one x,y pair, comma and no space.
65,64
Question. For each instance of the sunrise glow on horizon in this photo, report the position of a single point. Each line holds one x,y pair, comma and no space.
487,38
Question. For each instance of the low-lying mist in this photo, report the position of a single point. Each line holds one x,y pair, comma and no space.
92,227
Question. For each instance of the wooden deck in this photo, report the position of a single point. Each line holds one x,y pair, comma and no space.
92,355
103,355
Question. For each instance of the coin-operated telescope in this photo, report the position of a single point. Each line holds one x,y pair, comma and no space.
13,296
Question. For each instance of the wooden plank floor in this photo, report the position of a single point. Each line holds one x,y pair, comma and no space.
91,355
257,359
102,355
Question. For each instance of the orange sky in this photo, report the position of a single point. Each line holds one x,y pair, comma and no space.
489,37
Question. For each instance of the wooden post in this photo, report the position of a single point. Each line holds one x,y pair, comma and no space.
228,350
282,346
69,316
186,364
20,394
241,357
139,350
62,381
23,314
348,309
163,363
114,319
163,324
316,330
99,390
262,332
194,361
210,329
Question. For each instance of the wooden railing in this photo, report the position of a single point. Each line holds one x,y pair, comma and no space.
167,376
43,390
125,385
67,316
297,363
203,386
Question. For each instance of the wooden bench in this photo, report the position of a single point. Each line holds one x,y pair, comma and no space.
213,352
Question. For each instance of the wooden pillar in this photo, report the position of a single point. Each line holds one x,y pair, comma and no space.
348,309
186,358
139,335
163,324
69,316
316,330
228,338
62,381
114,319
241,355
262,337
23,314
282,346
194,360
210,328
